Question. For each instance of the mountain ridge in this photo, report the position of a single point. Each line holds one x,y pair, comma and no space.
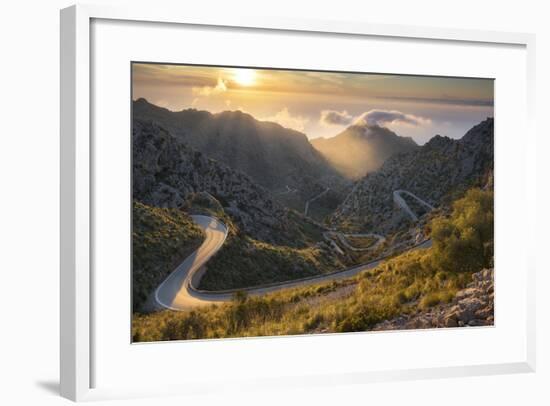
275,157
362,148
167,173
440,167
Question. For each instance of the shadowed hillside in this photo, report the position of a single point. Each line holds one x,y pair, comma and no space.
280,159
167,173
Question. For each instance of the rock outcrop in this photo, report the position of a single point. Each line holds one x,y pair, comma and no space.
167,173
473,306
433,172
274,157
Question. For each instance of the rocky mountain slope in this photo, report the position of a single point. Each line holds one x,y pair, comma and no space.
471,307
167,173
279,159
361,148
441,168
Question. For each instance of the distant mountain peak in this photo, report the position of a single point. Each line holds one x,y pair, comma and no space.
142,100
235,114
439,168
438,140
362,148
481,129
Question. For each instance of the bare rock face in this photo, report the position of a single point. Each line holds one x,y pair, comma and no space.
431,172
274,157
167,173
473,306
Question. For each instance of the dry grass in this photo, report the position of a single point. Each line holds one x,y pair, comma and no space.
406,283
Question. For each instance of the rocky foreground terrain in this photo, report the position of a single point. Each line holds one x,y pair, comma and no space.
434,172
473,306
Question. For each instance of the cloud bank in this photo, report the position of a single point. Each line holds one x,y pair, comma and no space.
220,87
332,117
286,119
376,117
384,117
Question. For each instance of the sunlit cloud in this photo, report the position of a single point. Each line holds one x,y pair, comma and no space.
322,104
332,117
244,77
287,120
448,100
372,117
220,87
330,77
385,117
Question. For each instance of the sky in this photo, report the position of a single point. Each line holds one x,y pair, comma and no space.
322,104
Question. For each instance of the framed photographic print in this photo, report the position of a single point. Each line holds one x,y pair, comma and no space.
289,214
357,229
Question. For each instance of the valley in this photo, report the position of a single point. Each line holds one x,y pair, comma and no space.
179,291
418,288
278,159
254,230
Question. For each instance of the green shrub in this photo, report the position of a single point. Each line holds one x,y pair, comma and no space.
244,262
463,242
406,283
161,239
430,300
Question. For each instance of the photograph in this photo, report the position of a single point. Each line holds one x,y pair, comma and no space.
275,202
245,203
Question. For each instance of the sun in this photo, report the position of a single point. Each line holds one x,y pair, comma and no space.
244,77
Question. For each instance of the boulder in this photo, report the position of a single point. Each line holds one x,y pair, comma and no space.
473,306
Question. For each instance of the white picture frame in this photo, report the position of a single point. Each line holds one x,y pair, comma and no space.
77,357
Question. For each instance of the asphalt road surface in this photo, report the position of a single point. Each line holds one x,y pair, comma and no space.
178,291
174,292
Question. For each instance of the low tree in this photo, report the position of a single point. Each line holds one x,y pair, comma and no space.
463,242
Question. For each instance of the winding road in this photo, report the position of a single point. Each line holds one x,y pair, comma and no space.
175,291
178,291
324,192
398,199
342,238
